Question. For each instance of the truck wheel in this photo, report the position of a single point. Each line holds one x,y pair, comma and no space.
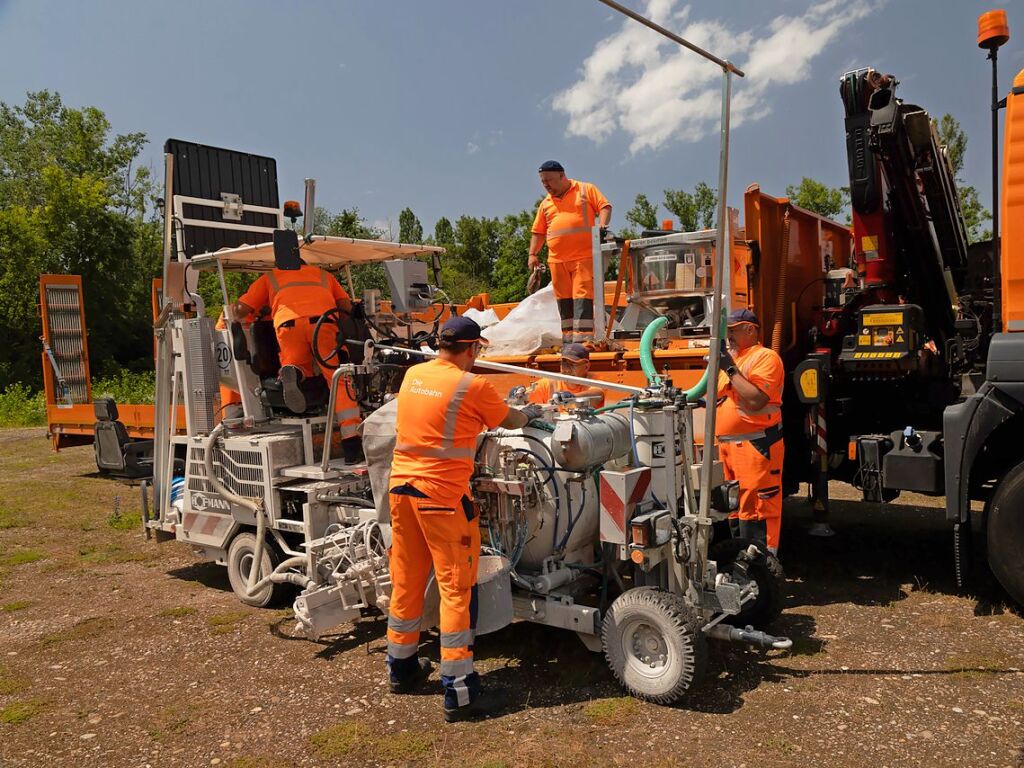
654,645
766,571
240,562
1005,533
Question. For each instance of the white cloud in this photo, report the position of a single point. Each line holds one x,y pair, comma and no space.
640,83
471,148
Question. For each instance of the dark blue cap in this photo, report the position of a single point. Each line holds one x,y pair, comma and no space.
551,165
462,329
575,352
740,316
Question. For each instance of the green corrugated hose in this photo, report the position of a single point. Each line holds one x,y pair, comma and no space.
695,392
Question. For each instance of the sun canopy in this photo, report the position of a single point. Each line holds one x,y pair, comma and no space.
323,251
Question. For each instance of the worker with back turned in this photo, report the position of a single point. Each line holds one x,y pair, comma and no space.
749,429
442,408
564,221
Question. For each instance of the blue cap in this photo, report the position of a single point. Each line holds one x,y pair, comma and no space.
551,165
575,352
462,329
740,316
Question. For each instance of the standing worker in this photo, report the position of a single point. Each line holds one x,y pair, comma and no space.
565,219
749,429
297,298
442,408
575,362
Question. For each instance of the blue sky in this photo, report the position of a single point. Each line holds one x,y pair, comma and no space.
448,106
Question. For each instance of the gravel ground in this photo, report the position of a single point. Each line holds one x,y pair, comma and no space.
116,651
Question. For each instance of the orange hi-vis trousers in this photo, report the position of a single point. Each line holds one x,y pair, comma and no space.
434,533
573,285
760,480
295,338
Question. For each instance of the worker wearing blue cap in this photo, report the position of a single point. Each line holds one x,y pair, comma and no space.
565,219
748,426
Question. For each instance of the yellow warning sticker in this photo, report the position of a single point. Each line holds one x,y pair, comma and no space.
884,318
864,341
809,384
869,243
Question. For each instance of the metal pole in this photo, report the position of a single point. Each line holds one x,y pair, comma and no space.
996,266
724,64
165,422
597,258
532,372
168,216
309,212
721,261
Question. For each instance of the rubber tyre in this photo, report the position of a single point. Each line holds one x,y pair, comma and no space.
1004,533
768,574
240,554
663,626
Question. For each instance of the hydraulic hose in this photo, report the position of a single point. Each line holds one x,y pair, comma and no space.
278,575
646,350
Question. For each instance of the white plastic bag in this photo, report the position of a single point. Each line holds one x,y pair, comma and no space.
530,327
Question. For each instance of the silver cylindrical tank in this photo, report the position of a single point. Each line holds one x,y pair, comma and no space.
649,431
581,443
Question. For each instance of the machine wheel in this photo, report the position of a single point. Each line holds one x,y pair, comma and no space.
1005,533
653,644
240,560
766,571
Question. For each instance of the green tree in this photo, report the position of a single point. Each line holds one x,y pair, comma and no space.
70,202
820,198
694,210
510,271
974,213
409,228
444,234
643,215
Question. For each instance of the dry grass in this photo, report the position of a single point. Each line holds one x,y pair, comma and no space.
11,684
9,519
17,605
616,711
976,664
177,612
339,740
351,739
22,557
222,623
83,630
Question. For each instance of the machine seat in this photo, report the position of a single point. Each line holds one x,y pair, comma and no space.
116,452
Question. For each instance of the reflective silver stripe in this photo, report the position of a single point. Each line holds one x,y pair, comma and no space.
347,413
452,414
584,188
461,691
402,650
741,438
456,667
568,231
273,282
404,625
436,453
349,430
462,639
322,283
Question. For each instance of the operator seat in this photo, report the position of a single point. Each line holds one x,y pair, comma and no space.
116,452
265,361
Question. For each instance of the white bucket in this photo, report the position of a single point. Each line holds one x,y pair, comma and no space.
494,597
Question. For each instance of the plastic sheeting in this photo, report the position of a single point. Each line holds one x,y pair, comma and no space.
529,328
378,447
484,319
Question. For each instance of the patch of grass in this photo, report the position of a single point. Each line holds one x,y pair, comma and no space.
20,711
177,612
170,721
339,740
22,557
491,762
84,629
970,664
119,521
257,762
222,623
9,519
780,744
114,553
17,605
612,711
11,683
408,746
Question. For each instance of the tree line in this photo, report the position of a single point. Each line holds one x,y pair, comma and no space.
74,199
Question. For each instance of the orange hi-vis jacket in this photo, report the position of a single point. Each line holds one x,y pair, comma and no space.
566,221
763,368
543,390
306,292
441,412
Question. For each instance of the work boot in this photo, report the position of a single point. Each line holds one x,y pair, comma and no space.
415,680
352,450
487,704
294,398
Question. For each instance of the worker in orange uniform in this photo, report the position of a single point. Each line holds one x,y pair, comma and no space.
297,299
575,362
749,429
564,220
442,408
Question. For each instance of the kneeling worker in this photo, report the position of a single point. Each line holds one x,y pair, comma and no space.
748,426
296,299
442,408
575,362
